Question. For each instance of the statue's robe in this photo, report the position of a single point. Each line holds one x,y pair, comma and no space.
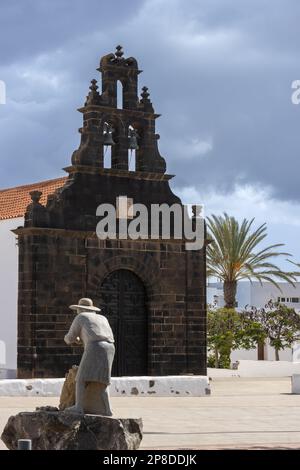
95,332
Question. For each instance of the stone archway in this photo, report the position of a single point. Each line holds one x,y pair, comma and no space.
122,297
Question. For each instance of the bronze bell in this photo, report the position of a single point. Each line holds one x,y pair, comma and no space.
107,135
133,143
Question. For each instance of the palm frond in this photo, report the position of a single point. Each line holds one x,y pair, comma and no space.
234,253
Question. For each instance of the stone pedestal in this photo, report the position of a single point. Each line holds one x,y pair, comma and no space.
51,429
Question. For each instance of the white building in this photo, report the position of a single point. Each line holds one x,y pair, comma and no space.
257,295
13,203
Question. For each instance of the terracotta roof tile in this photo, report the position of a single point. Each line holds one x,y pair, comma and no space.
13,201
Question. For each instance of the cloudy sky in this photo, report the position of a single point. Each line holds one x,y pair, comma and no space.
219,72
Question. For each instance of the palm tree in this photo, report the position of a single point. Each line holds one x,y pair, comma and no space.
233,255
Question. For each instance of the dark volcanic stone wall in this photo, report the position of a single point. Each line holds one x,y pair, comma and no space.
59,267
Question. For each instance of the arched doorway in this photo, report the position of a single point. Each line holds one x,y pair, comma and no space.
123,300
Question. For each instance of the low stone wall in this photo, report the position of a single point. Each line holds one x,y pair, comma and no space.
268,368
160,386
166,386
257,369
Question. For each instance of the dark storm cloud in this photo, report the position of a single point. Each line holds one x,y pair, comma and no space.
31,27
220,72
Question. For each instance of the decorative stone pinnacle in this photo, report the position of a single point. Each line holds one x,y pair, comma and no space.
35,196
119,52
145,95
93,86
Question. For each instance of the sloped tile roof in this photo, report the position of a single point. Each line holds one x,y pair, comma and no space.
13,201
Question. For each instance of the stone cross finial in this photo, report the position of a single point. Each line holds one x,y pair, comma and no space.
119,52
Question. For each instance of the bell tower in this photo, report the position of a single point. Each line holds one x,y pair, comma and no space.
104,123
153,291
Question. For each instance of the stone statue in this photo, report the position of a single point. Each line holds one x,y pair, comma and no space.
94,372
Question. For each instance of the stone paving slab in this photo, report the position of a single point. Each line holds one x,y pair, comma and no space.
240,413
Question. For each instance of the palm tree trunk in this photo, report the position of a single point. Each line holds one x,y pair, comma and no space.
229,289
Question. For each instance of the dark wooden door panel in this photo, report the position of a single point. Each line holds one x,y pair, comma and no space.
123,299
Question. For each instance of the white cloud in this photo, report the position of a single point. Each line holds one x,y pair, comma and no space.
282,217
245,201
191,148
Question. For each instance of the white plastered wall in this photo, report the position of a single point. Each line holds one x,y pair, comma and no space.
8,296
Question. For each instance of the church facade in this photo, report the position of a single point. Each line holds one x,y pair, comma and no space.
153,291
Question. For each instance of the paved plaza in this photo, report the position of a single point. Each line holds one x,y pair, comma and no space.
240,413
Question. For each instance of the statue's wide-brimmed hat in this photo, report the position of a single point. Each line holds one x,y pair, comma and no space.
85,304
